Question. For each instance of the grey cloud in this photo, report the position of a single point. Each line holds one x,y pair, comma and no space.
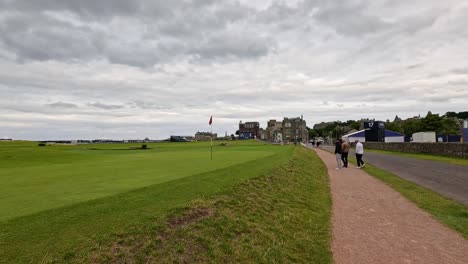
349,18
62,105
233,45
88,8
38,37
461,71
417,23
438,98
415,66
195,29
169,65
462,83
150,105
105,106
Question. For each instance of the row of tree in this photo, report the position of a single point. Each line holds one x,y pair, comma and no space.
449,124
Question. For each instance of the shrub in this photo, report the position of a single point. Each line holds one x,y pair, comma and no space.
144,146
41,144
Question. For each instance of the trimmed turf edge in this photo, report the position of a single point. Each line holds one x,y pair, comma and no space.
282,217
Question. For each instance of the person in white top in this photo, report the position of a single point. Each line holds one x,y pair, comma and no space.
359,153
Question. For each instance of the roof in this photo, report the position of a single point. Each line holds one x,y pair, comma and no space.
359,133
389,133
362,133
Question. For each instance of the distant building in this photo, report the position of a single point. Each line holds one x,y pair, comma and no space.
177,139
374,131
189,138
274,132
295,130
389,136
448,138
135,141
465,131
288,130
205,136
106,141
262,134
249,130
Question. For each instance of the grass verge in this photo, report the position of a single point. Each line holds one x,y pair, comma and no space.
282,217
450,212
443,159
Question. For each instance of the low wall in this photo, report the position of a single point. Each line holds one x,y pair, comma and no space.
459,150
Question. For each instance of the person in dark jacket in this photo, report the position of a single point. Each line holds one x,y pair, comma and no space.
338,151
344,153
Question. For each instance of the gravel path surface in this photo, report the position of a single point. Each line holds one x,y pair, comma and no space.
372,223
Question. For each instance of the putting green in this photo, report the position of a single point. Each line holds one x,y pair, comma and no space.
34,179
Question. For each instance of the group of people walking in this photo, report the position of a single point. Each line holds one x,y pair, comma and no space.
341,152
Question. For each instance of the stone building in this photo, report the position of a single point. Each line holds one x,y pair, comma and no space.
249,130
273,132
295,130
205,136
288,130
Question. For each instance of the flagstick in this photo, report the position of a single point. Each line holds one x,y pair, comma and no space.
211,142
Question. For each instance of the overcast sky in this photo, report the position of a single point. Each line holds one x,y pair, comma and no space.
133,69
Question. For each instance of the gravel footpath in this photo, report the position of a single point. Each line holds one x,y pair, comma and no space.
372,223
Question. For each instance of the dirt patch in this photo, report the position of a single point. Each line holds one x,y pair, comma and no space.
130,148
191,216
130,249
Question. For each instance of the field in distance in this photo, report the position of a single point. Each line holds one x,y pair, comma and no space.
60,202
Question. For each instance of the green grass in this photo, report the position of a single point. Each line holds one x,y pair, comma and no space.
449,212
449,160
59,203
283,217
35,179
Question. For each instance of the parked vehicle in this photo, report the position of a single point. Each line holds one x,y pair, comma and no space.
424,137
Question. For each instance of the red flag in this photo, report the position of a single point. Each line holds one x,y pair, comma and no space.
211,120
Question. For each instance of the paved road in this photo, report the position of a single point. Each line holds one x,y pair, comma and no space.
446,179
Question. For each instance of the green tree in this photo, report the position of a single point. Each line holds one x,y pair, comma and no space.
355,125
411,126
394,126
432,122
312,133
450,126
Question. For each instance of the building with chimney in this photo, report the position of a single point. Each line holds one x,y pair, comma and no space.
295,130
249,130
205,136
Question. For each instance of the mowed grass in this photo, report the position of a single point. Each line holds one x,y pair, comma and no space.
151,185
282,217
438,158
35,178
